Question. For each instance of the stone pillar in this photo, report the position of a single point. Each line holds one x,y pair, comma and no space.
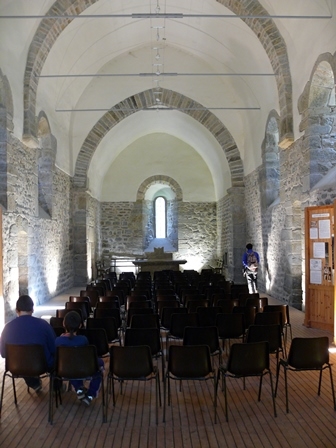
237,228
81,275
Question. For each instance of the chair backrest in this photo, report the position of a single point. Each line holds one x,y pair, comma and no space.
56,322
108,304
309,353
166,304
230,326
180,321
278,308
189,361
61,312
26,359
142,304
83,306
207,315
131,362
269,333
76,362
192,305
132,311
144,336
109,312
96,337
93,294
145,321
108,323
249,313
227,305
167,313
202,336
248,359
268,319
258,302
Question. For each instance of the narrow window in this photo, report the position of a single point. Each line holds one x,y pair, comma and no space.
160,217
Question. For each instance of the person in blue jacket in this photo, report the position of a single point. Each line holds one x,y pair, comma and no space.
71,323
251,262
26,329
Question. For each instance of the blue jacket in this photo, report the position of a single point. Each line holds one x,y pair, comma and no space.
29,330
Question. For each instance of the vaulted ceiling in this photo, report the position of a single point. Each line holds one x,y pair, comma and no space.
133,89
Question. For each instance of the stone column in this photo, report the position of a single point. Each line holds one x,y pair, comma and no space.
81,276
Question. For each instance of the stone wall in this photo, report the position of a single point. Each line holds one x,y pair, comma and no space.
38,257
197,234
122,230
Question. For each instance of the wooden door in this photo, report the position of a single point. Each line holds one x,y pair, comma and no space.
320,267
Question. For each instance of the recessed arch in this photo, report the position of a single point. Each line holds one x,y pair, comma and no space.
165,180
50,29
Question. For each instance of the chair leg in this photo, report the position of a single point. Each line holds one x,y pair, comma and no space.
273,395
14,391
332,386
51,389
2,391
215,396
225,398
164,398
320,381
260,386
286,389
277,379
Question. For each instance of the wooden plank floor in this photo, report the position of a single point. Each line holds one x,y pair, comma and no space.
189,420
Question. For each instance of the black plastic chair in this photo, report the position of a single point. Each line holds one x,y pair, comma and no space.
82,306
110,326
258,302
271,319
98,338
23,361
166,304
61,312
146,336
230,326
145,321
167,313
189,362
307,354
247,360
192,305
269,333
207,315
178,323
132,311
204,336
72,363
132,363
249,313
227,305
284,309
109,312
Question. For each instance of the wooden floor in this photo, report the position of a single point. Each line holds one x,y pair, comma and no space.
189,420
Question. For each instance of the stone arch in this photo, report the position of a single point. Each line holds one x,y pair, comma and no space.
6,126
270,182
146,99
45,166
266,31
317,107
166,180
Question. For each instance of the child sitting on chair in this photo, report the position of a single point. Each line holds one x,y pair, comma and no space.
72,322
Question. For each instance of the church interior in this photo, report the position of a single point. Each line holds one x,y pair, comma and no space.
189,129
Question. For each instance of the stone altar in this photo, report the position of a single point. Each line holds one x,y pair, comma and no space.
157,261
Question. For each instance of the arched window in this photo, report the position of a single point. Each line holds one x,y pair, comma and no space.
160,217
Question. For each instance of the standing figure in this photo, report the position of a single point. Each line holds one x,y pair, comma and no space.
251,261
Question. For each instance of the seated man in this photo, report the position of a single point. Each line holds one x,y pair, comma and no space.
72,322
26,329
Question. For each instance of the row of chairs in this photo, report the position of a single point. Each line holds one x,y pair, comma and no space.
185,363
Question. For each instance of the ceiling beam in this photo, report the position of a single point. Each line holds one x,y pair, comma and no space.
155,108
162,74
163,16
